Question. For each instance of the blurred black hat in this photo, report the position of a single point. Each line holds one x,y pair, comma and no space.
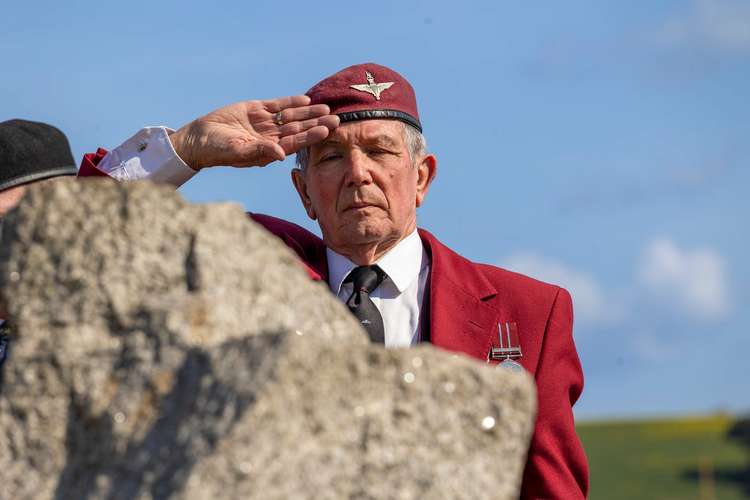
32,151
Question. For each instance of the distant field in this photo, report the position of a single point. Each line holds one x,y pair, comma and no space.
678,459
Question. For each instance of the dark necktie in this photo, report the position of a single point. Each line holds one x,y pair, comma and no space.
365,279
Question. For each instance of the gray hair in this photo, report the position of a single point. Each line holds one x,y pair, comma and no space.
415,143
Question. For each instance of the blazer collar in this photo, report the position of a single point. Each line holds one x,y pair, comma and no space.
463,314
453,268
317,263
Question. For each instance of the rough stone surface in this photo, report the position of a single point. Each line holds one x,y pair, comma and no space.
366,422
166,350
121,256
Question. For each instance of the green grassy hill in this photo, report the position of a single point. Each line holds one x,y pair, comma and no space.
677,459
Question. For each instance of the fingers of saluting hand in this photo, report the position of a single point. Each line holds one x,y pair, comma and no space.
289,115
328,121
287,124
270,151
280,103
293,143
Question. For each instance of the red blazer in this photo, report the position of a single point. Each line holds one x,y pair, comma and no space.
466,302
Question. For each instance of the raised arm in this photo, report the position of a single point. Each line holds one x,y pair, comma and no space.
244,134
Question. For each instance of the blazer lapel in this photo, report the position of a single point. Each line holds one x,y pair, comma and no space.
317,262
463,312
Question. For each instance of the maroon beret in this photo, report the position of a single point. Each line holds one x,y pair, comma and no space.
365,92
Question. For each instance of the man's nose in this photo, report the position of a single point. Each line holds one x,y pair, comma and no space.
359,169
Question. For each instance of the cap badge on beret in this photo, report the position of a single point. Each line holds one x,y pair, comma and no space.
390,98
371,87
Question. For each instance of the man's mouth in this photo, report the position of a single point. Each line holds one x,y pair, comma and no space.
360,206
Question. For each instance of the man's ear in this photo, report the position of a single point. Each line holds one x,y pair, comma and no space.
426,172
298,179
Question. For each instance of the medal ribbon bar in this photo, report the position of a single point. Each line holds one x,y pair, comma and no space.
509,344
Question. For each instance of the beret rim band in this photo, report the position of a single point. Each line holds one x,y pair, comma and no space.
37,176
373,114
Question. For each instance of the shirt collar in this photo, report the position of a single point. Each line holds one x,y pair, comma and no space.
401,263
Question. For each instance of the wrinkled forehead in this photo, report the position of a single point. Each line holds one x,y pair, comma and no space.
383,132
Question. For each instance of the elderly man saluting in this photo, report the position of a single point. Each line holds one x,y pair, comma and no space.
362,172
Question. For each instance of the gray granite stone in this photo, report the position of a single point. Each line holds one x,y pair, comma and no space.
168,350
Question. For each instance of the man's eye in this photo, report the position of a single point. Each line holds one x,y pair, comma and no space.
329,157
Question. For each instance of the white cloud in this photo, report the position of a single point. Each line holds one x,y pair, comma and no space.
652,347
693,281
714,24
669,286
590,305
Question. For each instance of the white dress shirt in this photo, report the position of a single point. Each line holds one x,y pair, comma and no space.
399,296
149,155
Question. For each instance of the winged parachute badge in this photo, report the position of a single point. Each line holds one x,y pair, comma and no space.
371,87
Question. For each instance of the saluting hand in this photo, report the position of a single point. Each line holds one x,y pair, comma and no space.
253,133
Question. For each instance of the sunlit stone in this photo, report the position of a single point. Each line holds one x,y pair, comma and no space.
488,423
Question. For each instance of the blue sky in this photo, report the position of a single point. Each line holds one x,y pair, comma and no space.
600,145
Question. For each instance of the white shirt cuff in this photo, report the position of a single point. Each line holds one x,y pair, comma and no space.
147,155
